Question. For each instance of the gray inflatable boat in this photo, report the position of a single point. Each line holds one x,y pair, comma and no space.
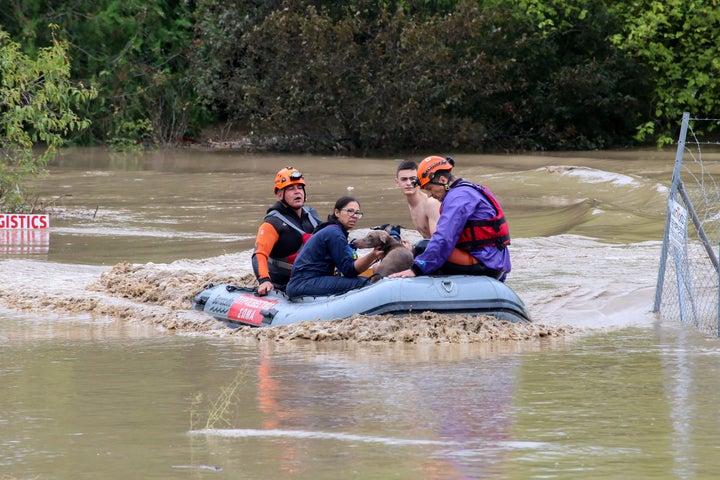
451,294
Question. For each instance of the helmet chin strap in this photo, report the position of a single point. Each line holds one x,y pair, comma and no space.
435,175
446,186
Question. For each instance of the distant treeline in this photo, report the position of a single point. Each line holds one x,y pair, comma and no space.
360,76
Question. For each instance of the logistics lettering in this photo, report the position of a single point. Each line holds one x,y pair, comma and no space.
23,221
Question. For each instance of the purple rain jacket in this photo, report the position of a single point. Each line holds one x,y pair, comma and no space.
460,205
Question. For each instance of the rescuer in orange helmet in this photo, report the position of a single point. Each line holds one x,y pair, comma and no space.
286,227
472,234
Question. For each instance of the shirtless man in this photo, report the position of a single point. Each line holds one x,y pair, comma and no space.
424,210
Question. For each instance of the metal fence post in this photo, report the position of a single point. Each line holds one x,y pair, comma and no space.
673,191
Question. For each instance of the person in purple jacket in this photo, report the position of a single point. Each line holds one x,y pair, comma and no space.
472,233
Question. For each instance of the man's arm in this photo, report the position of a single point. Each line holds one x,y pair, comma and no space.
266,239
457,207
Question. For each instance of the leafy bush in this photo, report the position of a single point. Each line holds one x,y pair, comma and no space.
394,75
677,40
134,52
37,107
360,78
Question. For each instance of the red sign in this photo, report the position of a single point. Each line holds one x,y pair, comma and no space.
246,308
23,221
24,233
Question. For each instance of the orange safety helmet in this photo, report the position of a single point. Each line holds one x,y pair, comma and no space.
288,176
428,168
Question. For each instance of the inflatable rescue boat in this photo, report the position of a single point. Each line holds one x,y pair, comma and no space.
453,294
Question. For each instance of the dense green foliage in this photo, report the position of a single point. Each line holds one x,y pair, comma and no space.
134,52
37,111
393,75
482,78
679,41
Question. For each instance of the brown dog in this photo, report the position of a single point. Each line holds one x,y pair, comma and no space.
397,256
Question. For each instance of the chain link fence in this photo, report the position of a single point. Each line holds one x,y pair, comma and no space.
687,285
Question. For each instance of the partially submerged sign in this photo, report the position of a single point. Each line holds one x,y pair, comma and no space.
678,225
24,233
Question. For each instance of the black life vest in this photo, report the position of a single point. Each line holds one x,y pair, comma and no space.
287,247
483,233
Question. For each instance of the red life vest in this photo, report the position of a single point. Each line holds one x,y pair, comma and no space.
305,237
484,233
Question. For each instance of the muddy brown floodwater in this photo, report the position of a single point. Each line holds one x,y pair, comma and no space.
108,373
163,225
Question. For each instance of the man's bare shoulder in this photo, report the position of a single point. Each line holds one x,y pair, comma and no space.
431,202
425,214
431,206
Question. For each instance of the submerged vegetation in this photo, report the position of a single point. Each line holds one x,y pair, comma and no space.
218,409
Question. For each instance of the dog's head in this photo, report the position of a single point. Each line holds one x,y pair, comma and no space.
374,238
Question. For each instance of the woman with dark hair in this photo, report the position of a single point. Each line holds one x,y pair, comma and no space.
327,264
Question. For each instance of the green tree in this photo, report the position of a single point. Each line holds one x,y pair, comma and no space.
678,40
587,91
134,52
367,76
38,106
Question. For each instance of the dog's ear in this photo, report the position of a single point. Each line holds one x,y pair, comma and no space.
385,236
394,231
